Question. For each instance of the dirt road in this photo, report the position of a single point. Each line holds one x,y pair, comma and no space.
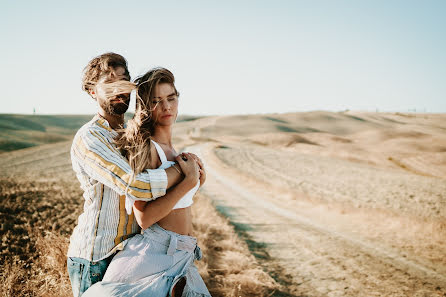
320,226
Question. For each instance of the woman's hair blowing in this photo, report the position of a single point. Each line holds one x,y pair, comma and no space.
102,65
134,141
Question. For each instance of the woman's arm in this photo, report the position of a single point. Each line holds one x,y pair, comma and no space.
148,213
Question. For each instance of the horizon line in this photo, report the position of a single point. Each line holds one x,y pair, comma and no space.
409,111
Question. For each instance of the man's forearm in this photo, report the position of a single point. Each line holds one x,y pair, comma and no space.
93,156
174,175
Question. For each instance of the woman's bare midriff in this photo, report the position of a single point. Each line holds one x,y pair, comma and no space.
178,220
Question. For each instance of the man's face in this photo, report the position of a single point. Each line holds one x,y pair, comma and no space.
109,102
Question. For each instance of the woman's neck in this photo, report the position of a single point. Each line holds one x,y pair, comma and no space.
163,135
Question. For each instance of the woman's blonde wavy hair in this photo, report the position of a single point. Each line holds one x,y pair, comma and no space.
134,141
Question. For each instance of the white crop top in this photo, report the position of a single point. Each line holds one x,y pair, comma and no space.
186,200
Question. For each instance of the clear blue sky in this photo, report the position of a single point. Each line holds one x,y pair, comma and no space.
231,57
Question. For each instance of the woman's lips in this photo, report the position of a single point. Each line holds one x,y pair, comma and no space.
166,116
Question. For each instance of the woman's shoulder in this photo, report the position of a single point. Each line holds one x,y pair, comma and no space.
154,157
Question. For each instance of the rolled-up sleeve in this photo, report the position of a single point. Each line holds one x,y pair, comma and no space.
97,157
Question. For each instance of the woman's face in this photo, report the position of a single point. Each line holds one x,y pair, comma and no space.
165,104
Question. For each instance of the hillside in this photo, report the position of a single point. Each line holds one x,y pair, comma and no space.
22,131
329,204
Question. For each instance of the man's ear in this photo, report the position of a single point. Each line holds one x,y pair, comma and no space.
92,94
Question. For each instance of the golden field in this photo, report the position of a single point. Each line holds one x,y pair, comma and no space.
298,204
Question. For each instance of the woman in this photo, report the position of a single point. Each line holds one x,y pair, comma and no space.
159,262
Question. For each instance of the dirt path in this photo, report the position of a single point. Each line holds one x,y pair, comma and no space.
313,250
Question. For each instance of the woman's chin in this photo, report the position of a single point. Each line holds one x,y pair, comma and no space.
165,122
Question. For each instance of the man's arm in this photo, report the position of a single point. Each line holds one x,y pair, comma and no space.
174,175
92,153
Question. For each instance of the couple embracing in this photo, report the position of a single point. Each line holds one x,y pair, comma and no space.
134,237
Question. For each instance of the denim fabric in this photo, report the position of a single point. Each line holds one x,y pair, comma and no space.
150,265
83,273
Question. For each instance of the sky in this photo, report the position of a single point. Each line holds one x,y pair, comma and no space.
231,57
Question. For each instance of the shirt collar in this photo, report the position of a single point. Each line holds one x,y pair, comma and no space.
103,122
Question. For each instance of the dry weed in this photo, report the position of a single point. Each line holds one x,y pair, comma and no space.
227,267
46,276
37,218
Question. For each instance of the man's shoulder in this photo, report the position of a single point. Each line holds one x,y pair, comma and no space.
93,132
96,124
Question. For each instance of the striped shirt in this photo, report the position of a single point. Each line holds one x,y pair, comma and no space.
106,178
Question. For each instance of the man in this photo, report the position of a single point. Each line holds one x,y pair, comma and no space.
107,180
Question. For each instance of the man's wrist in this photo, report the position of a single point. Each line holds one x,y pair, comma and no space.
178,169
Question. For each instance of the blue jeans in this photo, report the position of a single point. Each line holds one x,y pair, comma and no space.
83,273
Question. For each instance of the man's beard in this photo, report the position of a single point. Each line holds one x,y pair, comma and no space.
118,108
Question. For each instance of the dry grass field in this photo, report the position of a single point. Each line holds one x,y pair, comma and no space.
299,204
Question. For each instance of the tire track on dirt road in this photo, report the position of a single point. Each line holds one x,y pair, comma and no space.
319,260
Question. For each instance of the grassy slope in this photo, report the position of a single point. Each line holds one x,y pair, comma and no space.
22,131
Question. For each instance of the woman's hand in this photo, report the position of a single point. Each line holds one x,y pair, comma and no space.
201,169
202,176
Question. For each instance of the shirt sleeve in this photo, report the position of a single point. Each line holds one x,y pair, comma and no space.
93,154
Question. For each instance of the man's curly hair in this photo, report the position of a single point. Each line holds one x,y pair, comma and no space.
100,66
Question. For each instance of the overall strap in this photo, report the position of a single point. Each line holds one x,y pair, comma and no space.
160,152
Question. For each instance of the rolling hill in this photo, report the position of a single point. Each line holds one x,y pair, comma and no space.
21,131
